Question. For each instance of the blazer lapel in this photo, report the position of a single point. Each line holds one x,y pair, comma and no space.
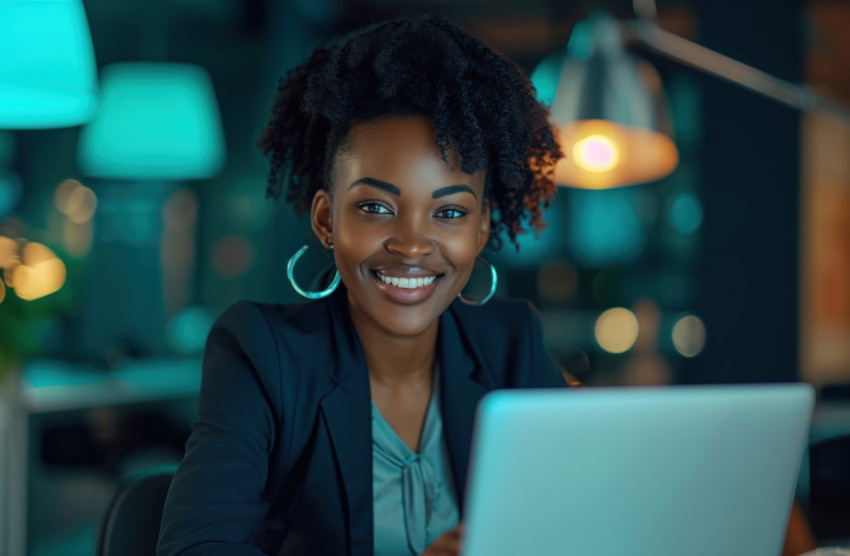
348,418
459,394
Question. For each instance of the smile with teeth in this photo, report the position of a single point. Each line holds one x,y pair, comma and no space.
406,283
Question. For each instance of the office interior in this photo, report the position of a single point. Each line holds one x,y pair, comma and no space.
731,265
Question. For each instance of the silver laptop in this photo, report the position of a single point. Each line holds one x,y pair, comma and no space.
671,471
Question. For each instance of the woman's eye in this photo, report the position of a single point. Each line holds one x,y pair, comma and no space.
374,208
451,213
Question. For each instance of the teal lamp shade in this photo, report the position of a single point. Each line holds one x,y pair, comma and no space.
157,121
47,68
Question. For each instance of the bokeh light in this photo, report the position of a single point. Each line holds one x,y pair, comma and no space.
75,200
63,192
233,256
596,153
9,251
689,335
77,238
2,291
686,213
188,330
604,228
40,272
557,280
616,330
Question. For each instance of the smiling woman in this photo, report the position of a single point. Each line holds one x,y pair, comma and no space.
343,425
406,226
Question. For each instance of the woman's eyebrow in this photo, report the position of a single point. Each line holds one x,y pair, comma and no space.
388,187
394,190
452,189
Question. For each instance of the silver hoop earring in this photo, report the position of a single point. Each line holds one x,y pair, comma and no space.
290,267
494,280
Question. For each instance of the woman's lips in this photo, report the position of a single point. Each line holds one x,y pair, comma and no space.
409,289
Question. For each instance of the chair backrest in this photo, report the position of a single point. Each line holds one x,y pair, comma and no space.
829,489
131,524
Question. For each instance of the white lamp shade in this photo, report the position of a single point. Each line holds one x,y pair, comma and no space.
157,121
47,67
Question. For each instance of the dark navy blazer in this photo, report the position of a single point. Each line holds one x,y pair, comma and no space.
279,461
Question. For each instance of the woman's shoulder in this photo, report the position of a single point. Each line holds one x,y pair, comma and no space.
293,333
295,317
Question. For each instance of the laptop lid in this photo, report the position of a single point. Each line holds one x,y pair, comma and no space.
696,470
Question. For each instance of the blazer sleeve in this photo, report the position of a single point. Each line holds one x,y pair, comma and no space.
216,503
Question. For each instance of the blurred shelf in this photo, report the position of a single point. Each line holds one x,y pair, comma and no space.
53,386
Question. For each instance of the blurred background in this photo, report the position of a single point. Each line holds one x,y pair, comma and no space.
133,211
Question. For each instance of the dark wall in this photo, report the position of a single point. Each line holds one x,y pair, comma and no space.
748,274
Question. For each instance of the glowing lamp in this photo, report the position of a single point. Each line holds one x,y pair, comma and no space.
609,110
596,153
47,67
157,121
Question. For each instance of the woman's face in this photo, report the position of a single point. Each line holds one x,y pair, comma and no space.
406,227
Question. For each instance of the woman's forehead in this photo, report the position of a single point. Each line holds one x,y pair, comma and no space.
399,149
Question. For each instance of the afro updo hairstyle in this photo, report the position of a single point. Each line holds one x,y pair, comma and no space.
477,99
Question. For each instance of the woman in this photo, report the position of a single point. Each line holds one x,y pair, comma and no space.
342,425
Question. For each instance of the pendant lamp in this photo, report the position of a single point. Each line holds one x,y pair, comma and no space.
609,110
157,121
47,67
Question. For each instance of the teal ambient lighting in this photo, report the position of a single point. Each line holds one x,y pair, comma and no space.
47,67
157,121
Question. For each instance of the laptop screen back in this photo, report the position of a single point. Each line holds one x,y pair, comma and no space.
697,470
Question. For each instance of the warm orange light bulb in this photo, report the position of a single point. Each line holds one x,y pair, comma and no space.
596,153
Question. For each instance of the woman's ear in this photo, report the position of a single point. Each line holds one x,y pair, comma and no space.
484,230
321,217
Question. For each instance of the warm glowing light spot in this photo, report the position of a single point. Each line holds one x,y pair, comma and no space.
77,238
8,251
42,279
34,253
62,195
596,153
82,202
616,330
689,335
37,274
9,271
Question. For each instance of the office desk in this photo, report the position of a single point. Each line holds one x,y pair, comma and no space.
53,389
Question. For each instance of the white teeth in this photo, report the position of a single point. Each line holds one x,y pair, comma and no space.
406,283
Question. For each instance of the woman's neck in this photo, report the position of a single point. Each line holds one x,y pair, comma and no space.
396,361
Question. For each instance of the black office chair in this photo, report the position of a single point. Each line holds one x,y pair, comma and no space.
131,524
829,497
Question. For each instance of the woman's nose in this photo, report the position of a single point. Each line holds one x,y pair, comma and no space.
410,239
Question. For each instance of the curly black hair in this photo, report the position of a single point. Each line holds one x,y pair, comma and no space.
477,99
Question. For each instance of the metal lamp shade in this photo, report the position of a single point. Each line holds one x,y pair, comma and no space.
47,68
610,113
157,121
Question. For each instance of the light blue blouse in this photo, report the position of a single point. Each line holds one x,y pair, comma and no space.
413,494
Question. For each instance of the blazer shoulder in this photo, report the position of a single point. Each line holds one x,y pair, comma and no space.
248,318
290,333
